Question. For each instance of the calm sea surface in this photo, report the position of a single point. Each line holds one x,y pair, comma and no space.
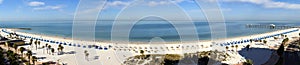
143,30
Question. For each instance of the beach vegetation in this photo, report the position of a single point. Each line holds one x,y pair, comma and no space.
22,49
227,48
49,47
285,35
15,47
248,62
46,45
173,57
34,59
86,54
35,43
29,54
265,41
52,51
39,43
281,35
236,46
275,38
285,40
30,42
60,48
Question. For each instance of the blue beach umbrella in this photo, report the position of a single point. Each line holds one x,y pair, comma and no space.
228,43
105,48
96,47
100,48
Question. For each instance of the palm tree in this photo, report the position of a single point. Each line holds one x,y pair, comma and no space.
30,42
52,51
46,45
39,43
265,41
35,43
227,48
232,47
49,47
29,54
86,54
285,40
142,53
43,49
34,59
22,49
61,48
236,46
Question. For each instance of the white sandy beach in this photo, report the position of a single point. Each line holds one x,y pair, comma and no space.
118,52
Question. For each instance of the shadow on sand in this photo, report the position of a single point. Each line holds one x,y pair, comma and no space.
263,56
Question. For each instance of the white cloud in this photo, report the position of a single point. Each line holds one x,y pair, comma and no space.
149,3
1,1
164,2
117,3
36,3
269,3
57,7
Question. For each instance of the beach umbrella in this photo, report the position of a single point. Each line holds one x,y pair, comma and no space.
221,44
78,45
89,46
65,43
84,46
96,47
100,47
105,48
70,44
228,43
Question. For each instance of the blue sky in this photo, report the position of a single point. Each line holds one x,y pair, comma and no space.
18,10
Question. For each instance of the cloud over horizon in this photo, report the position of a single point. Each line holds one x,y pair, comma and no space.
36,3
269,3
56,7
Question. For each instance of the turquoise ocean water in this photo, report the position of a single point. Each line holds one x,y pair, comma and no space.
143,30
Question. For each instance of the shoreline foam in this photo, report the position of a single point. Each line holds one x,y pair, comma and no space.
138,42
